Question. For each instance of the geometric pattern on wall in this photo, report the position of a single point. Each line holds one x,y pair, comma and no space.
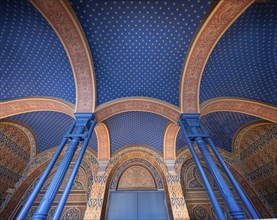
257,154
222,126
197,200
77,201
243,63
136,128
143,167
138,47
32,59
136,178
49,127
15,148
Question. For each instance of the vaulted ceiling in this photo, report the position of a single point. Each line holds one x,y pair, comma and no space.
138,65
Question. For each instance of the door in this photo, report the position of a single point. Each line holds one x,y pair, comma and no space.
137,205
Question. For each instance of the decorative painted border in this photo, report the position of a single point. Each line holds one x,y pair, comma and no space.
25,105
220,19
242,131
136,162
36,168
169,148
62,18
137,104
103,140
249,107
252,195
28,132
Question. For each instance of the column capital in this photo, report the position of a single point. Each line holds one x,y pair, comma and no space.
102,165
84,119
170,165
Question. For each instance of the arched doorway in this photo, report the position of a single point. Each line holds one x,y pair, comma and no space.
136,190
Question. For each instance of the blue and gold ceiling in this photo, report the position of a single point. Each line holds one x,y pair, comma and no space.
138,48
33,60
243,63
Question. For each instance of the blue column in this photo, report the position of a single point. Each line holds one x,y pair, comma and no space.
199,136
251,210
73,174
217,208
83,120
43,177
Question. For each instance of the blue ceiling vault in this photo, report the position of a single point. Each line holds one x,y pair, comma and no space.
222,127
136,128
49,127
32,58
139,47
243,63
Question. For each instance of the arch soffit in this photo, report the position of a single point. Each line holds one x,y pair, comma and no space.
34,104
63,20
169,144
245,106
143,104
136,151
220,19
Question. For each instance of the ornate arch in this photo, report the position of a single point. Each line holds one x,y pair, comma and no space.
25,105
169,144
245,106
144,104
137,152
62,18
220,19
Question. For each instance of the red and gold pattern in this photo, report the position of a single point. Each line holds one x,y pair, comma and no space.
35,170
19,106
137,104
223,15
103,179
16,148
255,148
170,136
249,107
62,18
136,177
103,140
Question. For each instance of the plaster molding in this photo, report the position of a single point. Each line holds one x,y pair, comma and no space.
244,106
63,20
220,19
